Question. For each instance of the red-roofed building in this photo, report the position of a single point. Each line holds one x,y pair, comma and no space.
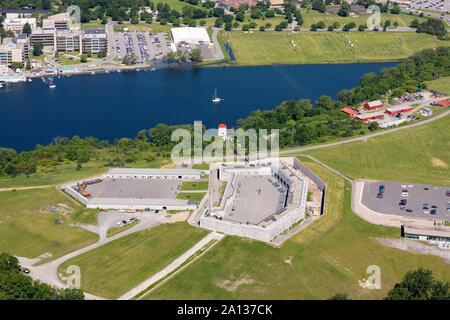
370,116
398,109
351,112
373,105
443,103
222,125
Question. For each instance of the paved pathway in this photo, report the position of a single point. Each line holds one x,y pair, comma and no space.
171,267
219,53
48,272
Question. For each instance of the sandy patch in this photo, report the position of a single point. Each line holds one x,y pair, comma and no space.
232,286
439,163
168,166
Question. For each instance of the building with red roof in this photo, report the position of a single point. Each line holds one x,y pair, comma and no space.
351,112
373,105
398,109
370,116
443,103
236,3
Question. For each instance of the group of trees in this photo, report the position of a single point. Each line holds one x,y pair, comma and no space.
431,26
15,285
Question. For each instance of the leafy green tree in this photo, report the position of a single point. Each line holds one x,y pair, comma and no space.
344,10
37,48
196,55
318,5
26,29
395,9
419,285
339,296
83,58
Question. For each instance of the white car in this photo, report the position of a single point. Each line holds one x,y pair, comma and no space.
404,194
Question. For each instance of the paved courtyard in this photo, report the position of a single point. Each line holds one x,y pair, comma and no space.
417,197
135,188
258,197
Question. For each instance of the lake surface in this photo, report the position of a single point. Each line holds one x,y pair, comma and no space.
116,105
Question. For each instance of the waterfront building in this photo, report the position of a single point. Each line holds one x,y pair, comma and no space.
14,50
189,35
68,41
44,35
94,41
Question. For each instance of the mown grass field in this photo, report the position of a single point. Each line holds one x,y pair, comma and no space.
302,269
440,85
27,225
113,269
192,196
270,47
313,16
194,185
419,155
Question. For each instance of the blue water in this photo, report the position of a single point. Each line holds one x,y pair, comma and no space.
118,105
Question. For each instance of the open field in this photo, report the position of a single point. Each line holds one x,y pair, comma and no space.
419,155
27,225
193,196
112,269
313,16
440,85
334,262
270,47
194,185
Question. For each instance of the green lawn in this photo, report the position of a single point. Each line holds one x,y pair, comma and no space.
440,85
302,269
270,47
194,185
193,196
201,166
27,225
113,269
53,175
420,155
313,16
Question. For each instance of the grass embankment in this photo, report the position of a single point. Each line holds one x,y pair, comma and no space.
419,155
192,196
440,85
201,166
302,269
194,185
270,47
116,230
113,269
27,225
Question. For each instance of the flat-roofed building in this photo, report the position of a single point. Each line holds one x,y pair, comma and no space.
190,35
60,21
12,52
94,41
20,13
44,35
68,41
16,25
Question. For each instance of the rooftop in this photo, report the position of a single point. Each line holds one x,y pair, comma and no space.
151,171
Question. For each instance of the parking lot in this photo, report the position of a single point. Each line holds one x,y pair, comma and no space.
146,46
420,199
437,5
135,188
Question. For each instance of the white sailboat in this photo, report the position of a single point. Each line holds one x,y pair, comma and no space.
216,99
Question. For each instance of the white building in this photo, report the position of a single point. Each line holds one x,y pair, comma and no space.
145,173
222,131
426,112
16,25
190,35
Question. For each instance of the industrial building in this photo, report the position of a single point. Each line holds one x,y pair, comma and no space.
370,116
189,35
147,173
398,109
372,105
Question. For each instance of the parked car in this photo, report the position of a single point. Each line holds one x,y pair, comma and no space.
433,211
409,210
